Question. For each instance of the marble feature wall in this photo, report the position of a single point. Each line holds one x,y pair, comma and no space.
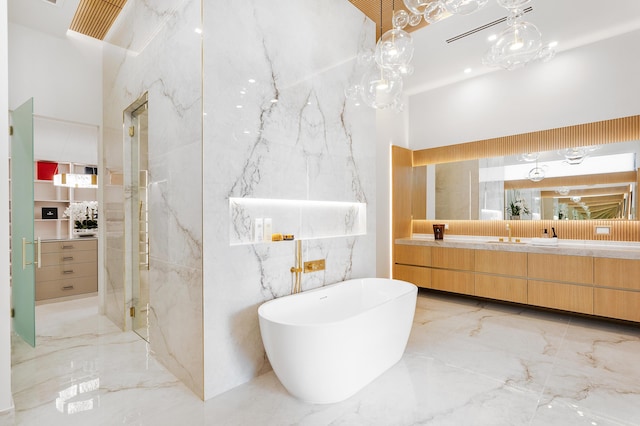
277,125
153,48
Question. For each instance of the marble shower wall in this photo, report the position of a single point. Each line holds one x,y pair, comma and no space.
153,48
277,125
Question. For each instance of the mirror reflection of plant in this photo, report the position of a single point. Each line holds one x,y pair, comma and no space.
517,205
84,214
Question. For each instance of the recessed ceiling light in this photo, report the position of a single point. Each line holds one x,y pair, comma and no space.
251,80
198,30
553,44
239,106
492,37
467,70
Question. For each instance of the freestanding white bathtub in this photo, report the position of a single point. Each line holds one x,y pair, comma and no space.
327,344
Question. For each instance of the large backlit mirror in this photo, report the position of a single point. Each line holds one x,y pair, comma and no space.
592,182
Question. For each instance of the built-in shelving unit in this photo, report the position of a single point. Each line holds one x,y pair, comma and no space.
48,196
304,219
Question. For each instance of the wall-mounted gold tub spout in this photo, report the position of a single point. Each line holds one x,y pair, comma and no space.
297,269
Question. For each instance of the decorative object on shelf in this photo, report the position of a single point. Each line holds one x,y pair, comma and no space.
518,44
74,180
46,170
49,212
84,216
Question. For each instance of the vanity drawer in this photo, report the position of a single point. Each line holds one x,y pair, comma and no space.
57,272
414,274
501,288
67,287
501,262
553,267
412,255
573,298
62,258
619,304
453,281
453,258
617,273
68,245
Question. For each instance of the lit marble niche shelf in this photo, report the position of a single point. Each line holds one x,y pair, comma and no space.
304,219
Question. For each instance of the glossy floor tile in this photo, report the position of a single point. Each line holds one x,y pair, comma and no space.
467,363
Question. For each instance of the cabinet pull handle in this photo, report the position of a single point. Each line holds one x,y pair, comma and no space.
68,258
39,249
67,287
68,272
67,247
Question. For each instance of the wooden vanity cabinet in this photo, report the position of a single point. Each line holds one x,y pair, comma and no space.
453,270
501,275
617,288
69,268
608,287
411,264
561,282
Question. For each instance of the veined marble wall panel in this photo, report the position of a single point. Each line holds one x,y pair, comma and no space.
156,50
278,125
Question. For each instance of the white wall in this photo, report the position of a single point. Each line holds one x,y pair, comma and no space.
63,75
6,402
590,83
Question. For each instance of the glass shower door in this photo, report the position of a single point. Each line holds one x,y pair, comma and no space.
24,250
140,222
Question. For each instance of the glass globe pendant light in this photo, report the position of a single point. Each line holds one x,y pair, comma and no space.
434,12
381,88
513,4
464,7
417,7
519,44
394,50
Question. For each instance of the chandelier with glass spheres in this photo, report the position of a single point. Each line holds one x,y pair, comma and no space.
381,84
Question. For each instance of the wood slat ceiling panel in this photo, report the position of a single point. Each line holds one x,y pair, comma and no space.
382,11
95,17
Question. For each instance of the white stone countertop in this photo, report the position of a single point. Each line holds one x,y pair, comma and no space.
610,249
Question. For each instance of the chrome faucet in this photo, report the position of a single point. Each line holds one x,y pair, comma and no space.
509,232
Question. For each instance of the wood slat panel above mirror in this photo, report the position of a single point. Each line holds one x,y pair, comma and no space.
598,133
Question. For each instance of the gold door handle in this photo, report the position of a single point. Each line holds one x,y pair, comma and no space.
38,249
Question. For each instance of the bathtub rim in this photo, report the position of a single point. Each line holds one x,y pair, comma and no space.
411,289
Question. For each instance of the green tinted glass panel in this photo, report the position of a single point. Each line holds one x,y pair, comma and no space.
22,247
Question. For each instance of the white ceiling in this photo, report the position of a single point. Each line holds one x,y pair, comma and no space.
43,16
571,23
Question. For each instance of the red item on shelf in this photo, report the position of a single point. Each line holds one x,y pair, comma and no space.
46,170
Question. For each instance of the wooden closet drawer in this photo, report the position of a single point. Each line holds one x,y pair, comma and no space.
68,245
62,258
68,287
74,270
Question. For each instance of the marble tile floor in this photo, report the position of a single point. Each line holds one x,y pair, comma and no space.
468,362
